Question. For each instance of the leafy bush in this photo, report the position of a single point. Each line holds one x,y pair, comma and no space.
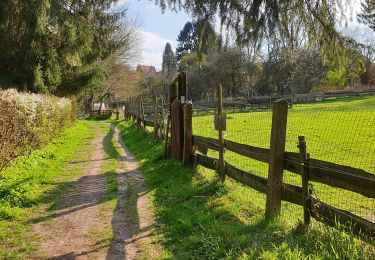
27,121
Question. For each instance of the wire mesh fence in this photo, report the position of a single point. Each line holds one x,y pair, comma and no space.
340,132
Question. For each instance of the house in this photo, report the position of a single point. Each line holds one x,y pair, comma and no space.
146,69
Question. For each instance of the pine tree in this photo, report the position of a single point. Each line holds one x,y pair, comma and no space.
367,15
169,65
56,47
187,40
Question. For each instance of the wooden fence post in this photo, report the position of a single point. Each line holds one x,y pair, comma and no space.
162,124
143,113
138,107
117,112
220,125
175,130
276,161
188,135
156,123
305,179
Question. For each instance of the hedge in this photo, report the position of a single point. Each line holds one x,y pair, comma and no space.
28,121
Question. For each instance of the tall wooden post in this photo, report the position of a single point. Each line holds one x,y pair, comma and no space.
117,112
182,97
143,113
305,179
162,123
276,161
220,125
156,123
188,135
138,107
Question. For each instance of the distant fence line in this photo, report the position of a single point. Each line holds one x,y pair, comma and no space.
172,123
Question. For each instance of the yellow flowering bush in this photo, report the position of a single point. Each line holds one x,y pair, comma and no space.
27,121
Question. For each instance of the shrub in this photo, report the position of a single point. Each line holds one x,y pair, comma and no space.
28,121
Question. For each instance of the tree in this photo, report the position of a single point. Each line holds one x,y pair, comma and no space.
367,15
169,65
187,40
57,46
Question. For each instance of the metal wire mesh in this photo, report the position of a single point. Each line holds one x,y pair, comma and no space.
340,132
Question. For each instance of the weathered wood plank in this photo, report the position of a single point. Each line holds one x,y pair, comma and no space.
289,193
334,175
330,216
207,162
207,142
256,153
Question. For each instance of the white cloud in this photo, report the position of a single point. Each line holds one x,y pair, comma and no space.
152,48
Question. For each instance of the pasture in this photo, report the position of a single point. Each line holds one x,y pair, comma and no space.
342,132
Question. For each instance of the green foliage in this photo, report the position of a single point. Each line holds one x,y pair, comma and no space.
336,80
187,40
285,72
55,47
200,218
367,15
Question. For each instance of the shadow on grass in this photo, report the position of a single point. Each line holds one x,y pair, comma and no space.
197,218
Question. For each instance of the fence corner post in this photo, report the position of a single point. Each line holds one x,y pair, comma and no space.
188,138
276,161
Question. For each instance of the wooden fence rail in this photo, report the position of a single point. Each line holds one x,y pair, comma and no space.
335,175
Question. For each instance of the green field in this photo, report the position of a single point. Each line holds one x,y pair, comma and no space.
341,131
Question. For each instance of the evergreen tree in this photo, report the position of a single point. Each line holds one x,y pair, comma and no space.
187,40
169,65
367,16
56,46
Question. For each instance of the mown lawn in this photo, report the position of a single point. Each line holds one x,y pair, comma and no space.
200,218
341,132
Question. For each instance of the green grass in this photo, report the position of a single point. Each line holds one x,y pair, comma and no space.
200,218
341,131
33,181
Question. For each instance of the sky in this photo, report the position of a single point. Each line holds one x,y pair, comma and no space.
156,28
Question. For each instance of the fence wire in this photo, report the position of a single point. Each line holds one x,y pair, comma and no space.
340,132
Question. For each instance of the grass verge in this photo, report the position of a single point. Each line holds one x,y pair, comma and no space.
25,185
201,218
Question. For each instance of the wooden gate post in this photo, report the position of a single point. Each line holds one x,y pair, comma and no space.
220,125
188,135
276,161
305,179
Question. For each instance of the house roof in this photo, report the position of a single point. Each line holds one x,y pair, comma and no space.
146,69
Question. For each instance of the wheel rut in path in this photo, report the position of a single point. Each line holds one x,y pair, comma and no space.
133,220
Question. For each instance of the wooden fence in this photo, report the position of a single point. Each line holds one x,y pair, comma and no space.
192,149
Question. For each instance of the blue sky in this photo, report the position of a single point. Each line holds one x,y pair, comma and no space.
155,29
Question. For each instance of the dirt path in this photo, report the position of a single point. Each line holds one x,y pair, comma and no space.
133,220
71,232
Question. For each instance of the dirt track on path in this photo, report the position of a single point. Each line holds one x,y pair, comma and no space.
71,231
133,220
